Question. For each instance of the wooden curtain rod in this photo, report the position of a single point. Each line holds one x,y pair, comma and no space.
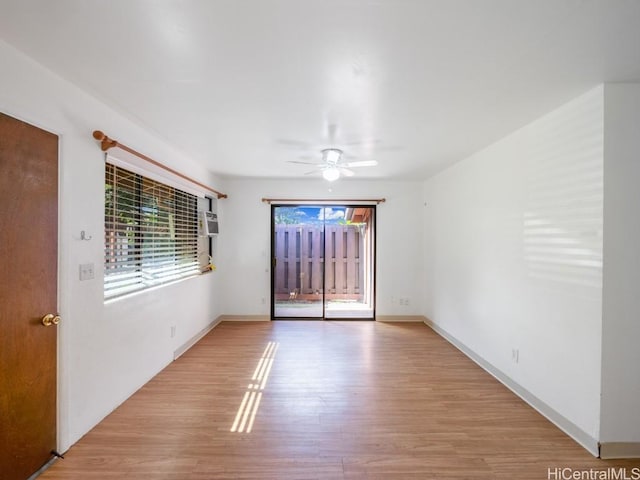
377,201
106,143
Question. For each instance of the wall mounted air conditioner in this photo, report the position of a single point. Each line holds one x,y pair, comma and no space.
208,224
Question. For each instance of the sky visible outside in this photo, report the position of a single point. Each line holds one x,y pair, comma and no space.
309,215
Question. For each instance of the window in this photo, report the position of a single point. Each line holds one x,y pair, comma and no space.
151,233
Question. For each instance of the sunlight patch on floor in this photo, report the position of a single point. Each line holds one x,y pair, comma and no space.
251,401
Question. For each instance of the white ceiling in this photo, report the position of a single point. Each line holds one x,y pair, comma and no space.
245,85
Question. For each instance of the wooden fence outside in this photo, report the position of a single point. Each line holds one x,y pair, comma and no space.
301,252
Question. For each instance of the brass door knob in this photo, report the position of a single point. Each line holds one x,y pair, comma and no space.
50,319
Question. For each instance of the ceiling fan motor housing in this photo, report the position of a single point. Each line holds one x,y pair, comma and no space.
331,155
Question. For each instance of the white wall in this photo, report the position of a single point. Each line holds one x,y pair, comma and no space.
245,239
106,352
620,418
513,259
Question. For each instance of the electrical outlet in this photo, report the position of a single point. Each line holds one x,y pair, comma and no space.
173,331
403,301
86,271
515,355
263,300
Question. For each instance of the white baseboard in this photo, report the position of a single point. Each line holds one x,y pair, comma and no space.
401,318
196,338
244,318
611,450
568,427
267,318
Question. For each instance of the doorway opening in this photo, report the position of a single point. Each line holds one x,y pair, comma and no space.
323,262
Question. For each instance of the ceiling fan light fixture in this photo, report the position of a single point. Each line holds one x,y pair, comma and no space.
331,174
331,155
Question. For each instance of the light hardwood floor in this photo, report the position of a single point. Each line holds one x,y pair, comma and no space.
341,400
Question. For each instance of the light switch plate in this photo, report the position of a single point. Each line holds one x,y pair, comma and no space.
86,271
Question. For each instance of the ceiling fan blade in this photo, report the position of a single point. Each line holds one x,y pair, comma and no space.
312,172
298,162
346,172
362,163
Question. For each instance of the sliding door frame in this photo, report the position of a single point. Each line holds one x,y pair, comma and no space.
373,260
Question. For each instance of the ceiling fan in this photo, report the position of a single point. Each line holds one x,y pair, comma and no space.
332,165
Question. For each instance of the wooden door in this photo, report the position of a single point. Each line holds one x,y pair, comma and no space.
28,291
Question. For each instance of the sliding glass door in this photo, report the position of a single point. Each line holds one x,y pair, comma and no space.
323,261
349,257
297,278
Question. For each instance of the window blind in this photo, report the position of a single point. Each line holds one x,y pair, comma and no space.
151,233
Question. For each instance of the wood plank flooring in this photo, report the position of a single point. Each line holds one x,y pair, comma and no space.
338,400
